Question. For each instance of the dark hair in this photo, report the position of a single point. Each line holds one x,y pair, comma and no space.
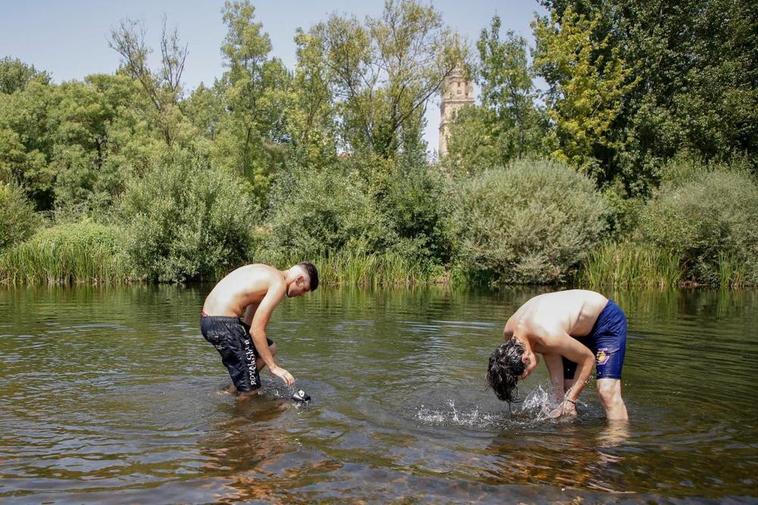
505,368
310,268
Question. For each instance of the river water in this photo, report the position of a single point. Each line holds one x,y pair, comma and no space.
110,395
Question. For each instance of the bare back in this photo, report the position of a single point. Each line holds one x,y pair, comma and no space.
571,312
243,288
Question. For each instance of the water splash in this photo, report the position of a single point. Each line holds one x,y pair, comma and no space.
535,408
537,405
473,418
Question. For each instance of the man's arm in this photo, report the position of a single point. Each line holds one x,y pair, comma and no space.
258,330
577,352
554,364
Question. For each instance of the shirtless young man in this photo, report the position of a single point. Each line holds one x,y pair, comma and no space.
573,330
236,312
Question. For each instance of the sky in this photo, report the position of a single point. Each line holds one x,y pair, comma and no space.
69,39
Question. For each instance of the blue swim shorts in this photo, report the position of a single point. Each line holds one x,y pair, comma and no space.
607,341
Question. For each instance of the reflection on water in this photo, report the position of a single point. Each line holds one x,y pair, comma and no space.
112,396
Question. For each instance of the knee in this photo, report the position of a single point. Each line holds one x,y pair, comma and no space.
610,394
272,349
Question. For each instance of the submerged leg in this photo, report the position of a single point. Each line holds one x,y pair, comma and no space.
609,391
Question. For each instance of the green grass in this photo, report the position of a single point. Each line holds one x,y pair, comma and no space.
631,265
81,253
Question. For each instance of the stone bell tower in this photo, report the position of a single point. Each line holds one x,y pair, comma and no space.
456,92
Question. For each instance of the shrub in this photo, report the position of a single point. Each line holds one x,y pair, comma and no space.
531,222
18,221
315,214
710,218
185,220
415,202
83,252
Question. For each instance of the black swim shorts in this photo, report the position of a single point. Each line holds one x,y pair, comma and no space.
607,341
231,338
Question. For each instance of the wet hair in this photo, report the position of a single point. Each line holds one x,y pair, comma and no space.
312,272
505,368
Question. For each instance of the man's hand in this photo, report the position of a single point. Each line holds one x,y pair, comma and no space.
566,408
284,375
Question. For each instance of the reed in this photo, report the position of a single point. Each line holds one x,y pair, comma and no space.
80,253
733,273
347,268
629,264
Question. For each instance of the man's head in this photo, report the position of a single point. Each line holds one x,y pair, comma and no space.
510,362
306,279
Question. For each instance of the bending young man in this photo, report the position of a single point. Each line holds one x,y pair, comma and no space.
236,312
573,330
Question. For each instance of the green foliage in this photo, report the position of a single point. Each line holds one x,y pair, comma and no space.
17,217
383,71
630,264
508,124
15,75
415,201
161,89
531,222
623,216
328,161
360,207
311,121
588,80
26,141
316,214
706,220
255,92
185,220
692,77
84,252
73,145
374,270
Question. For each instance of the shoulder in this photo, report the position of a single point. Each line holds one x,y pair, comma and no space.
261,272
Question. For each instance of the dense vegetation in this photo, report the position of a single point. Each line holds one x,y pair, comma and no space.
635,166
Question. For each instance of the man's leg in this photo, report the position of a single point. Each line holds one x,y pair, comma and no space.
609,391
567,383
569,370
259,363
554,365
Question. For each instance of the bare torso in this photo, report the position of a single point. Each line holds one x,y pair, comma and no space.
239,293
571,312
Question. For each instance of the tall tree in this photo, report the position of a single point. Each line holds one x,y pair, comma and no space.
382,73
15,75
255,95
26,143
588,80
507,123
312,119
163,87
692,79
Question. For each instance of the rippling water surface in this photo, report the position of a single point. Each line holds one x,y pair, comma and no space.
112,396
